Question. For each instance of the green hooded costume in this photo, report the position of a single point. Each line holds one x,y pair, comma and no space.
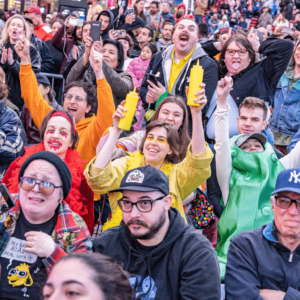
252,180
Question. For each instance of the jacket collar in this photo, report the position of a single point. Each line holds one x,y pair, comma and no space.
268,232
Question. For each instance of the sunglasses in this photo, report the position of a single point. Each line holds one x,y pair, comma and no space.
45,188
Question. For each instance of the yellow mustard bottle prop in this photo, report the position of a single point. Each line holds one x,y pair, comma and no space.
196,78
131,102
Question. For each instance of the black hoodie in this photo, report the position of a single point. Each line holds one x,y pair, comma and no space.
182,266
105,34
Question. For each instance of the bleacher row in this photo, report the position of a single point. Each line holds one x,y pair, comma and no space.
253,20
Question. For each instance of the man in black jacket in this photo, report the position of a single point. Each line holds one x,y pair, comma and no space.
264,263
173,67
166,258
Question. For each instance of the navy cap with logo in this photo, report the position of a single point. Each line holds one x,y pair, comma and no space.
288,181
144,179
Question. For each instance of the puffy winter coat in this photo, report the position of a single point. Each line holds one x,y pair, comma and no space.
12,137
137,69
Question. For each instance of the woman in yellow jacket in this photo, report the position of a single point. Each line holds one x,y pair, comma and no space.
160,149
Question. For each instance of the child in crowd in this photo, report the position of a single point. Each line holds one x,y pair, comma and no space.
137,69
242,23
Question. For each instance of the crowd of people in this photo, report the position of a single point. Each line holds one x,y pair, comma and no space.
194,201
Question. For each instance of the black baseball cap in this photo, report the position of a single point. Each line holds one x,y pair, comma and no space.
144,179
41,78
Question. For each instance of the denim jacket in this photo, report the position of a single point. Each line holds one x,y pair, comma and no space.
286,114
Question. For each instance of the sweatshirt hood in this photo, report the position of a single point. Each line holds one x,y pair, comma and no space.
182,5
111,20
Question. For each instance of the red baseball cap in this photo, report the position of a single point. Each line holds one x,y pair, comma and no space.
34,10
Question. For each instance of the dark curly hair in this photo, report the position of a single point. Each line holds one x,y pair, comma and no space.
91,95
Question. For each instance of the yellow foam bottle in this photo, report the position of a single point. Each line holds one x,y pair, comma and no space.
196,78
131,102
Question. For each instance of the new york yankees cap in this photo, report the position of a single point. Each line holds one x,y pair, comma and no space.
144,179
288,181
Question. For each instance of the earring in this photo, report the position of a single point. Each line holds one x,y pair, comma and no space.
223,60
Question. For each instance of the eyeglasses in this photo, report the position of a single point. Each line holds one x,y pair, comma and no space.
77,98
142,205
240,52
45,188
285,202
20,273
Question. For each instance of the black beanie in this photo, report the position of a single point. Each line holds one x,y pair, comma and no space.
137,23
57,162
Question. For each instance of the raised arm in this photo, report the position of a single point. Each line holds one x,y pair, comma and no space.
106,107
222,146
104,156
33,99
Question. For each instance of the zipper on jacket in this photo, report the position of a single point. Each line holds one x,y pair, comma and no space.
291,256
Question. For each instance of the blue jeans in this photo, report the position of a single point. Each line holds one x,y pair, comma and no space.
198,19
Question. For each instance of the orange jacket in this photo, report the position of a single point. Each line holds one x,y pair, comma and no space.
43,32
89,129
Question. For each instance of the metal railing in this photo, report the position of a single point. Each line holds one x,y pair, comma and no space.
53,76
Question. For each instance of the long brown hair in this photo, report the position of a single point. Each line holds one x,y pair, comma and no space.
172,139
141,15
183,130
292,61
238,39
74,138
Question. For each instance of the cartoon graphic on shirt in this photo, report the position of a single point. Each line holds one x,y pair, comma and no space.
145,287
20,275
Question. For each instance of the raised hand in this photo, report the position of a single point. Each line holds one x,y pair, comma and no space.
224,38
10,58
22,48
200,98
223,89
75,52
4,56
96,59
118,115
130,18
253,39
87,50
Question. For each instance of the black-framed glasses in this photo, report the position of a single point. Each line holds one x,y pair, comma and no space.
142,205
240,52
45,188
285,202
77,98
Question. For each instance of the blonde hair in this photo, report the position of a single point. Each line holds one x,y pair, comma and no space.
4,33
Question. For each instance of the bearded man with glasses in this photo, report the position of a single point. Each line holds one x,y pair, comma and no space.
40,228
265,263
167,259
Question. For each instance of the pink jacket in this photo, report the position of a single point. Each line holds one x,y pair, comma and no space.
137,69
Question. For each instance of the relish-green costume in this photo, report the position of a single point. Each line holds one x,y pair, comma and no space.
252,180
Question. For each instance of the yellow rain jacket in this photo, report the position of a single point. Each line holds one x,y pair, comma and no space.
184,178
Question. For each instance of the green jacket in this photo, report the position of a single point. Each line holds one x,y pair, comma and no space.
252,180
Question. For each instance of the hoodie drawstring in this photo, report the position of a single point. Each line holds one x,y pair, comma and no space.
149,274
